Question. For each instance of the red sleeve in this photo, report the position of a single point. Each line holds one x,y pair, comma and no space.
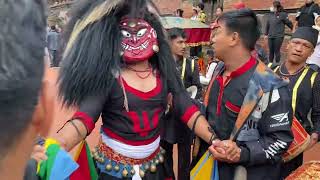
184,107
89,111
86,120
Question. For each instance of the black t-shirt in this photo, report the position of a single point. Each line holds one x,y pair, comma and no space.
307,104
306,14
141,124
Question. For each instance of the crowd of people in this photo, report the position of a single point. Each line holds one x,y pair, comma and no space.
119,64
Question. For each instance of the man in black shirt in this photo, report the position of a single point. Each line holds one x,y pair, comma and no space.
304,86
243,99
180,134
306,14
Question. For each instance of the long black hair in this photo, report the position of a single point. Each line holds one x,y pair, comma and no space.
92,58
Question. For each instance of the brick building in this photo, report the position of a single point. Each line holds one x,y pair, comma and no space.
265,4
262,7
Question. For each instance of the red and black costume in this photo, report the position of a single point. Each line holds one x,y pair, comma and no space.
140,125
106,36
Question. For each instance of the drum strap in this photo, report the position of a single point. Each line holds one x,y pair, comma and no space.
183,71
313,77
276,69
296,87
184,64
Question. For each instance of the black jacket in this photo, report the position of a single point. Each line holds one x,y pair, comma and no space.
275,27
176,131
266,133
306,14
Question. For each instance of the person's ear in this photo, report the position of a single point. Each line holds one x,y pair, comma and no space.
43,115
234,39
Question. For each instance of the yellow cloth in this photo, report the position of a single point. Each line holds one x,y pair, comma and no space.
204,168
202,17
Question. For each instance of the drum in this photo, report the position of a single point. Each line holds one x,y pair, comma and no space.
300,142
309,170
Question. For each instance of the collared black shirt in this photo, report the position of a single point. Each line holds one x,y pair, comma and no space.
305,16
226,99
308,101
191,75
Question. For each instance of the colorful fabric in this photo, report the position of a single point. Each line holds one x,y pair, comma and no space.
86,170
59,164
206,168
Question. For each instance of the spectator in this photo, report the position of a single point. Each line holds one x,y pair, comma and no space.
212,63
306,14
201,14
275,30
53,45
194,14
219,11
314,59
179,13
22,43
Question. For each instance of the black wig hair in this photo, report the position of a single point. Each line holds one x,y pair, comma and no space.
92,59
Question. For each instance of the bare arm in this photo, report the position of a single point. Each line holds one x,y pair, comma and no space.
201,127
82,123
68,136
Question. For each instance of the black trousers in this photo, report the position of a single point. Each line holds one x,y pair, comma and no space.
274,48
288,167
184,158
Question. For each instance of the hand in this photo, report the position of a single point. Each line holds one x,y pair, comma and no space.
226,151
217,150
39,153
313,140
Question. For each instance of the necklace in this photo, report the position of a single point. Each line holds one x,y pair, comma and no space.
288,74
148,71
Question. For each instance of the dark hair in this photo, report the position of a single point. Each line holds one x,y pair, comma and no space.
195,10
210,53
220,7
243,21
174,33
22,43
201,6
180,12
53,27
98,47
278,6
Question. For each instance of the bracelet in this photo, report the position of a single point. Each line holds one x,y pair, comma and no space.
71,121
77,129
213,136
195,122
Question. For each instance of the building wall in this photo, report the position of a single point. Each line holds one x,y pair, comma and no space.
265,4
